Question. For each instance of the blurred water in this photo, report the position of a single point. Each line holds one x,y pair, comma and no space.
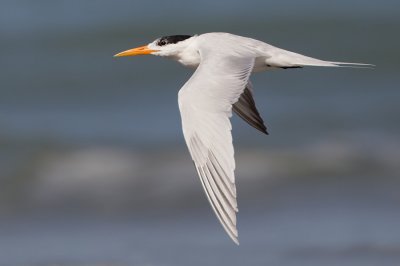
87,138
326,225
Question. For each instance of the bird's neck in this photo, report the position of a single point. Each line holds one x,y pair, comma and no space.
189,56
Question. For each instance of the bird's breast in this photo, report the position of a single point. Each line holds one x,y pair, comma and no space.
189,58
191,62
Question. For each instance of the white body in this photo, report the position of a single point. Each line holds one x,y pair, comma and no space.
266,56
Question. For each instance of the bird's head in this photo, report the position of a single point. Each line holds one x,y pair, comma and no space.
170,46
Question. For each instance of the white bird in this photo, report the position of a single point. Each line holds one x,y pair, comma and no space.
224,63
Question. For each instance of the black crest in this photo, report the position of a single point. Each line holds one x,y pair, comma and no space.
172,39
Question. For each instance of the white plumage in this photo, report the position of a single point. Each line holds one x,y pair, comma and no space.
221,83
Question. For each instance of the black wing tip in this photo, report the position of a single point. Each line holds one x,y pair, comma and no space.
246,109
260,127
263,130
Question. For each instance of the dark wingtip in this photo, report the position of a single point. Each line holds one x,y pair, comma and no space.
264,130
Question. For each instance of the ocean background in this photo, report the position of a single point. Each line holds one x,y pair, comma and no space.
94,170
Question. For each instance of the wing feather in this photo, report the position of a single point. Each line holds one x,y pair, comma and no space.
246,109
205,103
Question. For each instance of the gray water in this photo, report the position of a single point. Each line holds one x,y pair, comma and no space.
94,169
295,226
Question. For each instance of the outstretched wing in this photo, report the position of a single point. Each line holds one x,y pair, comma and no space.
205,103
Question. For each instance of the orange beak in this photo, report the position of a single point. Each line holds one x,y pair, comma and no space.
142,50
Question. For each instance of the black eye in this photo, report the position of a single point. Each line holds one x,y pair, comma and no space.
162,42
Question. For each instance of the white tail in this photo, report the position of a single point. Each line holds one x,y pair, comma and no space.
284,58
354,65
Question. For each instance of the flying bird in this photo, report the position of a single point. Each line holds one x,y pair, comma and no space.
220,84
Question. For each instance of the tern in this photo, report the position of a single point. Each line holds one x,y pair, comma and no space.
220,84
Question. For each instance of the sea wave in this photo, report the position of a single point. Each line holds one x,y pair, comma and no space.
116,177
